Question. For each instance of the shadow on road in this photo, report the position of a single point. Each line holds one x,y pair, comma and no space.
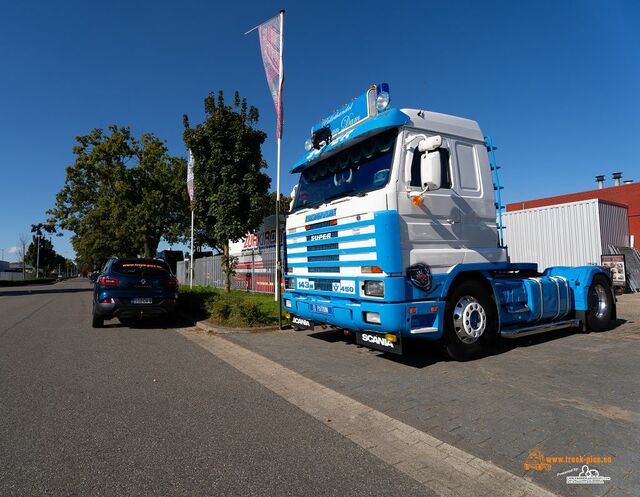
42,291
422,353
149,324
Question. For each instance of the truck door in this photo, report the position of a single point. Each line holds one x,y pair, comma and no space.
475,198
432,232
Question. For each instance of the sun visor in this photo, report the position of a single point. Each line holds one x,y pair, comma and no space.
385,120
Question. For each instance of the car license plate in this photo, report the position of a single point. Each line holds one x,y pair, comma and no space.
379,341
142,301
321,309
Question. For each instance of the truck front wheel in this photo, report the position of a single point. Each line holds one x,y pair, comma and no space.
470,321
600,304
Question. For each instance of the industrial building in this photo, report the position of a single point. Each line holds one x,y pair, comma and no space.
577,228
623,193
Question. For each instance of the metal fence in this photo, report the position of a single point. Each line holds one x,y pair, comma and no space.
11,276
255,271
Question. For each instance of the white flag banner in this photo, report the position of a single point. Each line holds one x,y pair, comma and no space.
190,175
269,34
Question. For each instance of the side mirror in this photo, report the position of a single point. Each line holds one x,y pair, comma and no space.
430,170
429,144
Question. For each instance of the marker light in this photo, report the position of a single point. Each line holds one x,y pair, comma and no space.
417,200
371,269
308,144
382,101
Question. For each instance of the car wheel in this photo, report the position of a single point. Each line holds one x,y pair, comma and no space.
470,321
599,304
97,322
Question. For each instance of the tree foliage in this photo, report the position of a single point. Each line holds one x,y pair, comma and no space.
231,190
46,259
121,196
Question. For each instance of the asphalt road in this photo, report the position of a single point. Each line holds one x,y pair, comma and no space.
144,411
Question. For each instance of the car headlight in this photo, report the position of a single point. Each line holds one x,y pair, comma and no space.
374,288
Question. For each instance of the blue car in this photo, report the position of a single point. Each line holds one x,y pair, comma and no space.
130,289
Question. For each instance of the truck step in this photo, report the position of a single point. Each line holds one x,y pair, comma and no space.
540,328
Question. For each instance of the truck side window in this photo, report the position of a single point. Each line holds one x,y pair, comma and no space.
467,167
444,164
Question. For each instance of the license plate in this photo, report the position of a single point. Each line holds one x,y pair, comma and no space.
302,323
378,341
321,309
142,301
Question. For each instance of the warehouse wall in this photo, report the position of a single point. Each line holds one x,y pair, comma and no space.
570,234
628,195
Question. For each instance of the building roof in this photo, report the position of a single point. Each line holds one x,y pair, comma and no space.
626,194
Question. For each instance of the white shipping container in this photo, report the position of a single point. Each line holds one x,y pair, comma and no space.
571,234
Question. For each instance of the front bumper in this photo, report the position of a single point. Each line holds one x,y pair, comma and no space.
420,319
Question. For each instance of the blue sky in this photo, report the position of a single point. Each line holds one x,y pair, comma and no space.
557,84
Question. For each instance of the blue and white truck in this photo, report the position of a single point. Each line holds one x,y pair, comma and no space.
393,234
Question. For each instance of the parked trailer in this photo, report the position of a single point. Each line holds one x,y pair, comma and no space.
392,234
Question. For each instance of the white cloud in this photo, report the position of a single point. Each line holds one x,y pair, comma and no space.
13,250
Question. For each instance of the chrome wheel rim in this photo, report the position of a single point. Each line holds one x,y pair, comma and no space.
599,301
469,319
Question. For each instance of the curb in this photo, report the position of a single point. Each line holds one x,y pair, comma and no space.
224,330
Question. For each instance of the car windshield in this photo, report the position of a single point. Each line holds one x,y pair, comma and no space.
361,168
149,268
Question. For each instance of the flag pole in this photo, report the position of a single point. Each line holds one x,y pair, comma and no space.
278,295
191,262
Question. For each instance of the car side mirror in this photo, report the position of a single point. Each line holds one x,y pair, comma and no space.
430,170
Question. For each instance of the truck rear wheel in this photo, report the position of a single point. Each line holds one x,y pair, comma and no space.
599,304
470,321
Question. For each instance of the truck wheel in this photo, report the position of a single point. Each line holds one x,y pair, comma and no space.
599,304
470,321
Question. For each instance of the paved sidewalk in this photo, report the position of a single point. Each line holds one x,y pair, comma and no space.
566,394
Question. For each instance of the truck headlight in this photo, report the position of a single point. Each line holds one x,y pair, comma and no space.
374,288
289,283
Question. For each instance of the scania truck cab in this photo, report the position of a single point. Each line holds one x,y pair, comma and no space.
392,234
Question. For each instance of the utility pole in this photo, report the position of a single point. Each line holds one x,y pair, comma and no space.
38,257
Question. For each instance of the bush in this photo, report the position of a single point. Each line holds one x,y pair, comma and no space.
221,309
251,314
237,309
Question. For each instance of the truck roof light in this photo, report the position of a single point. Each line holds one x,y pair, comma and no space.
382,101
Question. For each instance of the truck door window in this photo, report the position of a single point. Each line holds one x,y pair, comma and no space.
444,164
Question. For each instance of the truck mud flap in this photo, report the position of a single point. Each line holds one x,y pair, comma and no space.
302,323
379,341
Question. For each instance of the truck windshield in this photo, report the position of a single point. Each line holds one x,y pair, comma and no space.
361,168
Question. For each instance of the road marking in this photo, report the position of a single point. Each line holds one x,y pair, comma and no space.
440,467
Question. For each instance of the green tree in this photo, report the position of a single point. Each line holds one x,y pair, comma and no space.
121,196
46,260
231,190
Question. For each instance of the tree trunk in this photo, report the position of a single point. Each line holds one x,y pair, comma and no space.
226,267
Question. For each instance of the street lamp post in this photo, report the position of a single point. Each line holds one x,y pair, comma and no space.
38,257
